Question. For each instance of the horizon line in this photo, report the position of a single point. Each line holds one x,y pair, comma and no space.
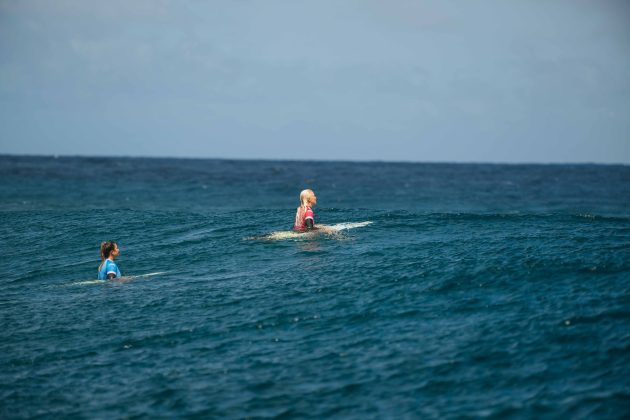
357,161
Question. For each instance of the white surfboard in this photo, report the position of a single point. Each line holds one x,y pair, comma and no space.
321,230
121,279
345,226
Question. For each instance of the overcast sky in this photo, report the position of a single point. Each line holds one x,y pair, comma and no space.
457,81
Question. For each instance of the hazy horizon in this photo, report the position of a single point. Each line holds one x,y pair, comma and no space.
210,158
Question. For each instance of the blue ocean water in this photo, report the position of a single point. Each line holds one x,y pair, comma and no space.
477,291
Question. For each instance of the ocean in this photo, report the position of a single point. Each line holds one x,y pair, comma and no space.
477,290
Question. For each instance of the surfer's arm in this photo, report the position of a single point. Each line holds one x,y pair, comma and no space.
309,219
113,271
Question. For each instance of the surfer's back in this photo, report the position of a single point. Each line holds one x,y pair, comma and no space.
304,216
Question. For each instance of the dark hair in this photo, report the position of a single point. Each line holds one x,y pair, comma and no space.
107,247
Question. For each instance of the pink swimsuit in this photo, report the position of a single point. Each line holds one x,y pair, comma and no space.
301,215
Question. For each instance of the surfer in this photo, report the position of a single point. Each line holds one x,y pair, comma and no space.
304,226
304,217
108,268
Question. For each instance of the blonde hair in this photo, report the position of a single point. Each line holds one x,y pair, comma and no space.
304,196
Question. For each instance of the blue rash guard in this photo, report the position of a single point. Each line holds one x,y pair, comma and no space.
108,266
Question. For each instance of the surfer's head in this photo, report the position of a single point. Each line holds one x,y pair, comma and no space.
109,249
308,198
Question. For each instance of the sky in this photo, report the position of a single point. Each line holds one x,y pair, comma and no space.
520,81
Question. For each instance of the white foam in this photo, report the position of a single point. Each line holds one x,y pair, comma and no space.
322,229
157,273
86,282
347,225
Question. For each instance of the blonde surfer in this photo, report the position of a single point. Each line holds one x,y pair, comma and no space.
304,216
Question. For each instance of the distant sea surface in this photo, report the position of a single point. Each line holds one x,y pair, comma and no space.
478,290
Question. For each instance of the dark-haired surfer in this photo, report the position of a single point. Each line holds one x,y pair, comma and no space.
108,268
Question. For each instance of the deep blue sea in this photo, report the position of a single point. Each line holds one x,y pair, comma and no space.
478,290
